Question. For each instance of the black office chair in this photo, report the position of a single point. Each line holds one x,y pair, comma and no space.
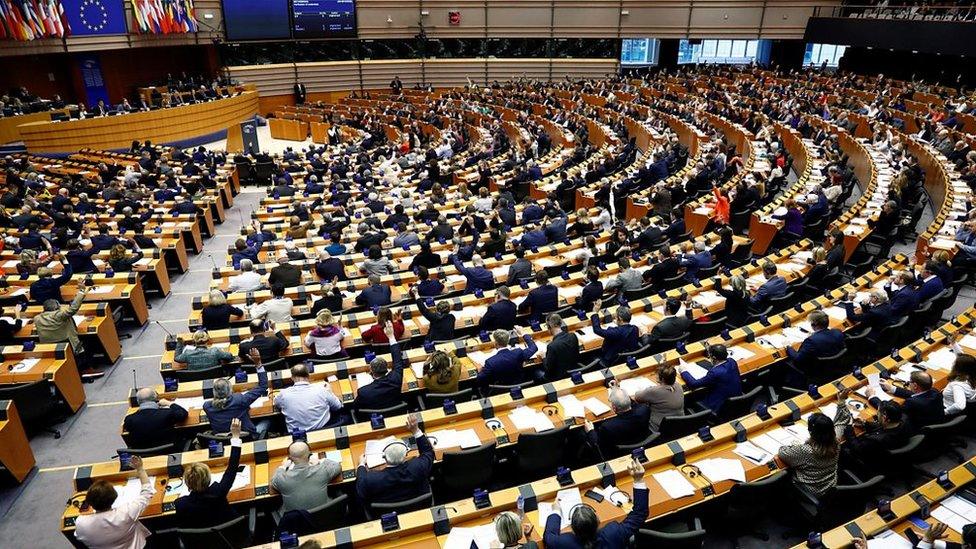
184,376
463,471
230,535
705,329
626,449
738,406
331,515
203,439
889,337
423,501
943,438
837,506
857,340
538,454
636,353
708,272
781,303
594,364
363,415
160,450
683,536
271,366
37,404
674,427
667,343
640,293
429,401
901,462
505,389
748,503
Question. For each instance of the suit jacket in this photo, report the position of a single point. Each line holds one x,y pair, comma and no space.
507,365
591,293
929,289
405,481
269,347
153,426
375,296
629,427
816,346
521,268
541,300
500,315
330,268
562,354
722,381
386,391
287,275
210,508
670,327
871,317
616,339
774,287
611,536
920,409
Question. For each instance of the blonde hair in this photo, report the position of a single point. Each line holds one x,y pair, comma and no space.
508,528
27,257
201,337
324,319
819,254
197,477
217,298
116,253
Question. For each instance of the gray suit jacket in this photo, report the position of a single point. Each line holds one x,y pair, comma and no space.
304,488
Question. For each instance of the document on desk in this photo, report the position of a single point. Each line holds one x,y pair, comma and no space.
836,313
889,540
333,455
374,451
259,402
144,261
643,323
740,353
130,491
969,340
719,469
363,379
572,407
79,319
459,538
101,289
468,438
242,478
633,385
445,438
418,369
948,517
708,298
773,341
596,406
480,357
961,507
674,483
767,443
943,359
694,370
752,452
190,402
25,365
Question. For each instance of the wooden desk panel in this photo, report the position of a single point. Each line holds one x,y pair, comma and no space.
160,126
15,451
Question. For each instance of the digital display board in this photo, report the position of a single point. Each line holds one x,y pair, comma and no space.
323,18
256,19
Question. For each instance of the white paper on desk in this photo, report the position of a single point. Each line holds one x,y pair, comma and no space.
144,261
874,381
523,418
719,469
374,451
739,353
586,335
259,402
459,538
546,509
572,407
946,516
334,455
363,379
694,370
836,313
596,406
541,423
644,323
961,507
25,364
480,357
12,264
101,289
568,499
418,370
130,491
752,452
767,443
889,540
674,483
241,479
773,341
942,359
633,385
79,318
223,345
190,402
467,439
879,394
708,298
445,438
17,292
969,340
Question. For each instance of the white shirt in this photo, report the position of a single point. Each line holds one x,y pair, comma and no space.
245,282
117,528
276,310
956,395
306,407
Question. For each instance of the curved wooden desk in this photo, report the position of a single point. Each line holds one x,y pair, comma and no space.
160,126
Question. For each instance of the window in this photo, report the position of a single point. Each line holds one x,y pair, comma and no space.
639,51
823,55
731,52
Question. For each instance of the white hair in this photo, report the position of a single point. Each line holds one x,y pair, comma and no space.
395,453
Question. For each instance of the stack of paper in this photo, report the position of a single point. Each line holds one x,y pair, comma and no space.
468,439
739,353
836,313
943,359
674,483
363,379
259,402
445,438
960,507
526,419
418,369
79,318
694,370
101,290
773,341
190,402
889,540
708,298
719,469
753,453
968,341
242,478
572,407
596,406
483,537
130,491
633,385
568,499
374,451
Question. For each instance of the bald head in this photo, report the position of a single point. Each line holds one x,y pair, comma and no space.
299,452
146,394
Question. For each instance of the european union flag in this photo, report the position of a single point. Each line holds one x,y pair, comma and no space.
90,17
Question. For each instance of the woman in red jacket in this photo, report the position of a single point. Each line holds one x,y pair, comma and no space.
375,333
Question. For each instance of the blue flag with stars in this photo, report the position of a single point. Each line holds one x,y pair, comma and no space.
91,17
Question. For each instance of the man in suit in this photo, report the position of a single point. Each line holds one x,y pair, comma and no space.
284,273
666,267
542,299
243,251
694,258
153,424
667,398
521,268
890,431
923,404
507,366
478,277
627,426
673,324
775,286
823,342
722,380
401,479
649,235
47,286
875,312
585,523
268,342
929,284
329,268
299,93
534,237
616,339
376,294
385,389
226,406
562,353
500,314
627,279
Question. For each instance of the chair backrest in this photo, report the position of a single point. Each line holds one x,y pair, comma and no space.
413,504
436,400
588,367
147,452
904,453
364,414
889,336
709,328
667,343
541,452
230,535
691,539
673,427
847,502
465,470
198,375
274,365
944,429
330,515
504,389
741,405
625,449
33,400
638,352
758,492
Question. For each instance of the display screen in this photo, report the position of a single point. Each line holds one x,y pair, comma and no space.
256,19
323,18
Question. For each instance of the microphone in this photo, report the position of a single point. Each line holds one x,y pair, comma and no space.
213,262
163,327
135,385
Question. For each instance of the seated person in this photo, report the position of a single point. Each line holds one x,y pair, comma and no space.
672,325
376,294
401,479
227,406
922,405
823,342
377,333
890,431
441,373
722,381
325,339
426,286
667,398
307,407
199,356
441,320
247,281
775,286
330,298
154,423
628,425
269,342
617,339
112,526
216,315
276,309
206,505
385,391
507,366
542,299
500,314
303,479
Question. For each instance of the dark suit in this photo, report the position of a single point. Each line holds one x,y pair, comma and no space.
330,268
871,317
562,354
592,293
397,483
210,508
541,300
920,409
818,345
774,287
722,380
270,348
506,367
384,392
670,327
286,275
629,427
616,339
613,535
500,315
375,296
153,426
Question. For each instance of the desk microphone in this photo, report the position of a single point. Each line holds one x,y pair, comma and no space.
213,262
135,385
164,328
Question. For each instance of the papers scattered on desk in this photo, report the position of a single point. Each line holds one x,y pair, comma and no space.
333,455
363,379
644,323
259,402
572,407
674,483
946,516
482,537
130,491
739,353
904,373
468,438
773,341
101,289
450,438
242,479
529,419
694,370
25,365
596,406
480,357
968,341
889,540
586,335
418,369
189,402
17,292
961,507
943,359
719,469
374,451
708,298
79,318
633,385
753,453
568,499
144,261
836,313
